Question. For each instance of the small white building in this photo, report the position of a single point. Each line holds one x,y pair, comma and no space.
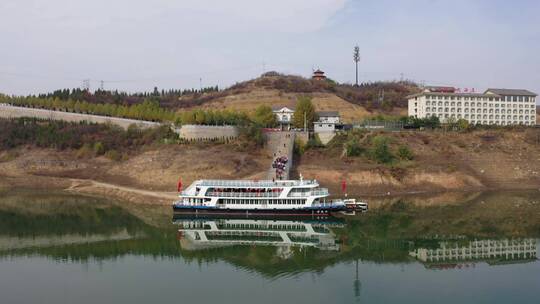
284,115
493,107
327,121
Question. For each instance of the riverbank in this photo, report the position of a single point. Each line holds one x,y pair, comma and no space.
442,163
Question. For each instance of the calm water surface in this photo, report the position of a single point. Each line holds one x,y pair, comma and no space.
61,248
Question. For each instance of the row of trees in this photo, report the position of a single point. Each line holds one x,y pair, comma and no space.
213,117
148,110
106,96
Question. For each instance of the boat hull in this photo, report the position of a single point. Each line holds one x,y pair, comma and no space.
218,212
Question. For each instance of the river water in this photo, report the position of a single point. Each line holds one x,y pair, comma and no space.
64,248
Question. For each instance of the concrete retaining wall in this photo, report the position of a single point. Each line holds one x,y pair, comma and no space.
325,137
203,132
8,111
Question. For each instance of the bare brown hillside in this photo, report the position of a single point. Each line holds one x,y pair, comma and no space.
495,159
354,103
479,160
248,101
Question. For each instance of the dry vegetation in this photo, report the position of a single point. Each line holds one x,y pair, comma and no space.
353,103
494,159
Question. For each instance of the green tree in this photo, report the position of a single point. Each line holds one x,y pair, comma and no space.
380,151
264,116
304,113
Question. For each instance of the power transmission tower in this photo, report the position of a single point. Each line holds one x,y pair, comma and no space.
356,58
381,96
86,85
401,77
102,85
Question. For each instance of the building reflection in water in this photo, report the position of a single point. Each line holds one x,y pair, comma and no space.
461,254
198,234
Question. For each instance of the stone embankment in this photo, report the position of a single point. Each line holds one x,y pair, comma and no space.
204,132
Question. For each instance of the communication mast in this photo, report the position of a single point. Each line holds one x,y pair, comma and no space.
356,58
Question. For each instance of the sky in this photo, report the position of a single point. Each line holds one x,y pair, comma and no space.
135,45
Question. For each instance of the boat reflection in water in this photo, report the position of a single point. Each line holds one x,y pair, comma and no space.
204,233
460,254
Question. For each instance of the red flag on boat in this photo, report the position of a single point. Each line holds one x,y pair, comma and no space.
179,185
344,186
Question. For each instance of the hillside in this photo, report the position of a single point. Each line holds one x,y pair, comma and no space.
353,103
441,161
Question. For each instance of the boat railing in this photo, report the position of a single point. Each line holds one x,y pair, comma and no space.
243,194
247,184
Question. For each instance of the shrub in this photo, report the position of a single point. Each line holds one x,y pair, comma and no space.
299,146
314,142
380,152
253,135
113,155
85,151
404,153
353,148
99,149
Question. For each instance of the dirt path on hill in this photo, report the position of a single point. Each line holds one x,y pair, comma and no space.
122,192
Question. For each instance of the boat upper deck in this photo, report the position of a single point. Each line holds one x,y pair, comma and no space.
255,184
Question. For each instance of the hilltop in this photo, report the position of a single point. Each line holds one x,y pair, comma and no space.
273,89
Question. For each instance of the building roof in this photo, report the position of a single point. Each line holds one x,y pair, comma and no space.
452,94
328,114
512,92
279,108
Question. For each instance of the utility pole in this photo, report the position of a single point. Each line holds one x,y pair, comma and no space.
401,77
102,85
356,58
86,85
200,83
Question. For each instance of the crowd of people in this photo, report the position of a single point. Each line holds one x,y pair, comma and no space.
280,164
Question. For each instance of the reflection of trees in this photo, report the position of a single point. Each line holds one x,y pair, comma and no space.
380,236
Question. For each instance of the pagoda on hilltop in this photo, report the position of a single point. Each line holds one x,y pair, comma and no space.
318,75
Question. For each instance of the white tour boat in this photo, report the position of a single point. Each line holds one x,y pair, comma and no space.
266,197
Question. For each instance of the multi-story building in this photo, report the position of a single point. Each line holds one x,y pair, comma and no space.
493,107
327,122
